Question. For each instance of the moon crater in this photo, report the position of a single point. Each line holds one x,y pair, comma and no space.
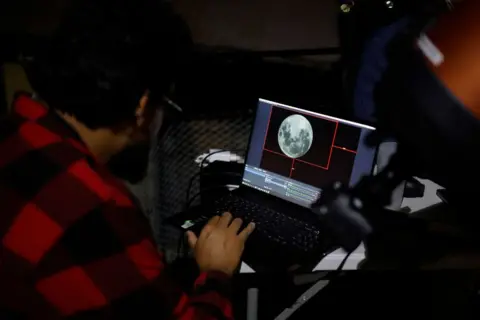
295,136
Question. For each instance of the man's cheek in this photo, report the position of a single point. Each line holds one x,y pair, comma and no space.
140,137
131,164
156,123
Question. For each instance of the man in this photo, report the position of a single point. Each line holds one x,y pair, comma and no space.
73,242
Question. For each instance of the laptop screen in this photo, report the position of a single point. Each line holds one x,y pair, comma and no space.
294,153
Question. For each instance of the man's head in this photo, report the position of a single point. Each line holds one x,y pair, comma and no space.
110,64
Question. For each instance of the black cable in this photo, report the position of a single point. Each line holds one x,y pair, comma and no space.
189,203
200,173
342,264
336,274
213,153
181,241
208,156
180,244
190,184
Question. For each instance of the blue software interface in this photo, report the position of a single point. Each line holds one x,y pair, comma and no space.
294,153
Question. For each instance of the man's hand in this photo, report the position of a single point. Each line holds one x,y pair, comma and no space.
220,246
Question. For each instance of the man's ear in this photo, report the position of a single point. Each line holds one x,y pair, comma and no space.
140,112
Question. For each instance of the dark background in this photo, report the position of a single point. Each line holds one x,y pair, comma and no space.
275,163
340,169
348,137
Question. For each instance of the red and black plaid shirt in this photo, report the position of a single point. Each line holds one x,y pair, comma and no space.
73,242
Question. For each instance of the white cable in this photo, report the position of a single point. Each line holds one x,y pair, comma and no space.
224,156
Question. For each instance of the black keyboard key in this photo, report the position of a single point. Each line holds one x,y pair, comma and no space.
275,226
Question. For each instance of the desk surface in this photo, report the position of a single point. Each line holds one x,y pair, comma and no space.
333,260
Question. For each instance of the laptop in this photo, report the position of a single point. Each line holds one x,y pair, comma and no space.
293,154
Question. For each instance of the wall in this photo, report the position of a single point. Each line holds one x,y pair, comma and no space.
33,16
262,24
250,24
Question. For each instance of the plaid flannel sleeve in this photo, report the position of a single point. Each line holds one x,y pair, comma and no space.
74,245
113,270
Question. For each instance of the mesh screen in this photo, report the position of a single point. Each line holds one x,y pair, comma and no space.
163,192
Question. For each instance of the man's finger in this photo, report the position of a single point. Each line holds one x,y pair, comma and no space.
235,225
192,239
247,231
225,220
206,232
212,223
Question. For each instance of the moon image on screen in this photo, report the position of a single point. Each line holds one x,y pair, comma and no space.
295,136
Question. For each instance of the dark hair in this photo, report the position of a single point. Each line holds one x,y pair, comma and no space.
104,57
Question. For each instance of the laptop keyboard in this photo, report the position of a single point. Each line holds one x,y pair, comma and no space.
278,227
